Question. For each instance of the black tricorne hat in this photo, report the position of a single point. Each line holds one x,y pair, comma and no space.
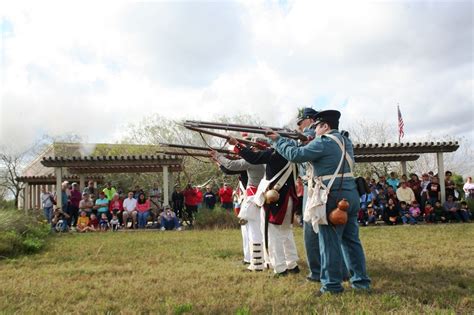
329,116
307,112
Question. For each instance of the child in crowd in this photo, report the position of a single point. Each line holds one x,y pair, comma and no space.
464,212
429,213
93,223
405,214
440,215
114,223
391,213
59,220
415,211
83,223
104,223
371,214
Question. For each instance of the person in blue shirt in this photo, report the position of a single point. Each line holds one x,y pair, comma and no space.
393,180
338,243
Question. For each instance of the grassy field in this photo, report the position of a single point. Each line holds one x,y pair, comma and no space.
415,269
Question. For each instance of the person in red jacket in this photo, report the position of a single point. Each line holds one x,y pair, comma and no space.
116,207
199,196
190,202
225,193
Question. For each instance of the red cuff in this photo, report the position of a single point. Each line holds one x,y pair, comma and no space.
239,146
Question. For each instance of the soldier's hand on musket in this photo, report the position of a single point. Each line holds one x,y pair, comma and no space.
272,134
232,141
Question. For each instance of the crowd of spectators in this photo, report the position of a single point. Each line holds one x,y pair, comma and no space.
410,201
106,209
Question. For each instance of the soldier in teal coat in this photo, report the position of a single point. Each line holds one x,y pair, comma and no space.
338,243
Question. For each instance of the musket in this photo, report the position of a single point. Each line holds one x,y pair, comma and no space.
230,156
215,134
252,129
193,147
235,125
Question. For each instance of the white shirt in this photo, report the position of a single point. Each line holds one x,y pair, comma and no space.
130,204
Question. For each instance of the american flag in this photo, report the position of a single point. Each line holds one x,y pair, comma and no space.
400,124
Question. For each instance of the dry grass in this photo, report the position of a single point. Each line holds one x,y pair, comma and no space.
415,269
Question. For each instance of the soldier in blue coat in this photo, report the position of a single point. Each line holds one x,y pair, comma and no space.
338,243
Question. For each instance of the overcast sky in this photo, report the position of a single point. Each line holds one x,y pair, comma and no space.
90,69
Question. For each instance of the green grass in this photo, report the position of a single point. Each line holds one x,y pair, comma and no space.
415,269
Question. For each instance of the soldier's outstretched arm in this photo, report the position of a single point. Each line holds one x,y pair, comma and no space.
258,157
290,151
233,165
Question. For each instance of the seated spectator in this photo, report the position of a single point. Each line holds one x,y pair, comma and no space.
391,214
391,194
143,209
405,193
425,181
116,206
104,222
440,213
129,210
168,220
86,204
362,216
415,184
225,193
393,180
415,211
59,220
83,222
382,184
429,213
365,199
404,178
371,214
114,223
451,207
209,198
93,223
464,212
381,203
102,205
405,214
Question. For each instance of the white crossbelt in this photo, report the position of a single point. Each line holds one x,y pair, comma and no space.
328,177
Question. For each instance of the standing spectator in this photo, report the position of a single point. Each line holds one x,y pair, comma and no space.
404,178
434,190
65,198
116,206
382,184
47,200
137,192
405,193
143,208
425,181
415,184
468,188
168,220
177,201
90,189
86,204
225,193
75,198
129,210
191,202
452,207
102,205
450,186
464,212
109,191
199,197
209,198
393,180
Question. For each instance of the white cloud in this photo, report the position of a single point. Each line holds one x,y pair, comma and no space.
92,68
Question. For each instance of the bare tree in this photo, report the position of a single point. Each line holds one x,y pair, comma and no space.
11,165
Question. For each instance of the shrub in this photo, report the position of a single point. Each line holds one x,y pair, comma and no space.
20,234
218,218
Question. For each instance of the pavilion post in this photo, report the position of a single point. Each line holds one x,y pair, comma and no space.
440,160
30,197
82,182
404,167
26,197
58,171
165,186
